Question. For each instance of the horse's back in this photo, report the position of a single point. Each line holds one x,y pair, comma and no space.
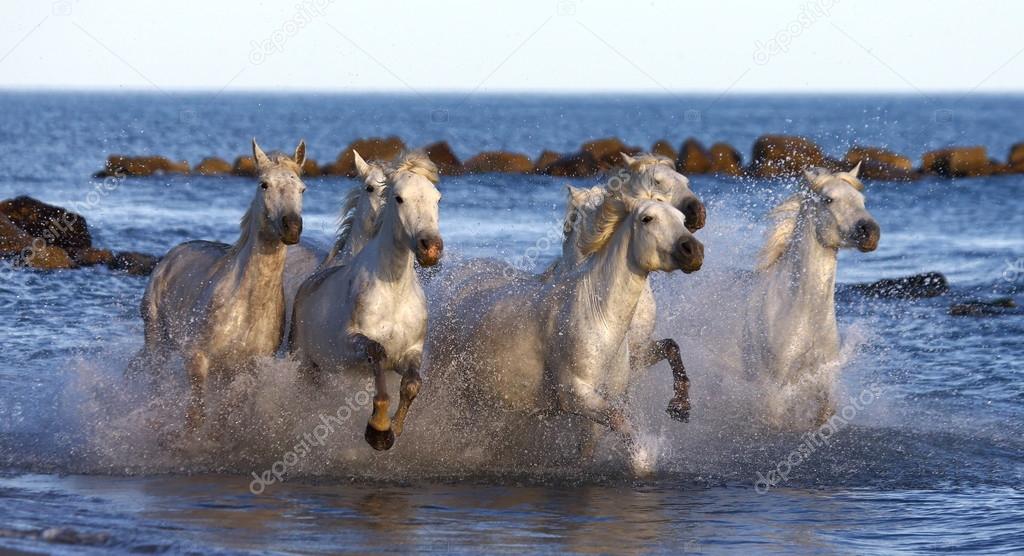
180,279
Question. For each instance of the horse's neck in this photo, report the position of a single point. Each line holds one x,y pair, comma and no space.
807,270
609,287
391,259
359,236
257,268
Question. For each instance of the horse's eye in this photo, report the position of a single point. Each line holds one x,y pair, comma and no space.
646,219
399,199
369,189
264,185
828,200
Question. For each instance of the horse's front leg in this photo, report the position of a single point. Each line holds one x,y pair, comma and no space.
668,349
198,367
379,434
411,382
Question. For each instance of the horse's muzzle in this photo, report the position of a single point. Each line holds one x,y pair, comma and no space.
429,250
867,235
689,255
694,212
291,229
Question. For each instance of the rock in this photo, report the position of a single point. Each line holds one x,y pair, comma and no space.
136,264
1015,160
373,148
442,155
693,158
120,165
664,148
544,161
310,168
13,240
607,152
880,164
91,256
244,166
49,258
929,284
499,161
726,160
957,162
576,165
981,308
213,166
786,155
55,225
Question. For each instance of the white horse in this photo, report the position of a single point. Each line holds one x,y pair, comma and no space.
645,176
220,306
791,337
370,316
557,344
359,210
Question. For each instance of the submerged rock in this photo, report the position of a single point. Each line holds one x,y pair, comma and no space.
786,155
662,147
1015,160
607,152
880,164
499,162
57,226
244,166
929,284
983,308
958,162
213,166
693,158
544,161
122,165
576,165
136,264
442,155
726,160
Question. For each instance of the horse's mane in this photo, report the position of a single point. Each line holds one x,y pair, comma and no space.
347,216
415,162
644,161
598,231
640,184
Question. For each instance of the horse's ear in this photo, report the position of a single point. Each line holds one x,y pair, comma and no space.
261,158
575,194
300,153
628,160
856,169
362,168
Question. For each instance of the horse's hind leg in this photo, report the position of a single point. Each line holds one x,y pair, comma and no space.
379,434
668,349
410,388
198,367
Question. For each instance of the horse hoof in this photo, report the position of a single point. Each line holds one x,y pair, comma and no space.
379,440
679,410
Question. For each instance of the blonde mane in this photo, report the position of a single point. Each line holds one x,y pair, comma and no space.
597,232
640,184
415,162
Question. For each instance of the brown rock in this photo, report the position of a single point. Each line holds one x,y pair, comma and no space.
92,256
499,161
373,148
121,165
13,240
55,225
244,166
310,168
442,155
664,148
213,166
693,158
880,164
576,165
786,155
607,152
1015,160
49,258
957,162
544,161
726,160
136,264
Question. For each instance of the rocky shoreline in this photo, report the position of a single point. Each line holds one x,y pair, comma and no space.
772,156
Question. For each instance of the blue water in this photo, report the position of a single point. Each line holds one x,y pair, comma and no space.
934,464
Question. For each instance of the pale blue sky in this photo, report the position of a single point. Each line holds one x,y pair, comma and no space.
544,45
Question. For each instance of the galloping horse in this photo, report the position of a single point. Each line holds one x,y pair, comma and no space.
791,334
370,316
219,305
558,343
